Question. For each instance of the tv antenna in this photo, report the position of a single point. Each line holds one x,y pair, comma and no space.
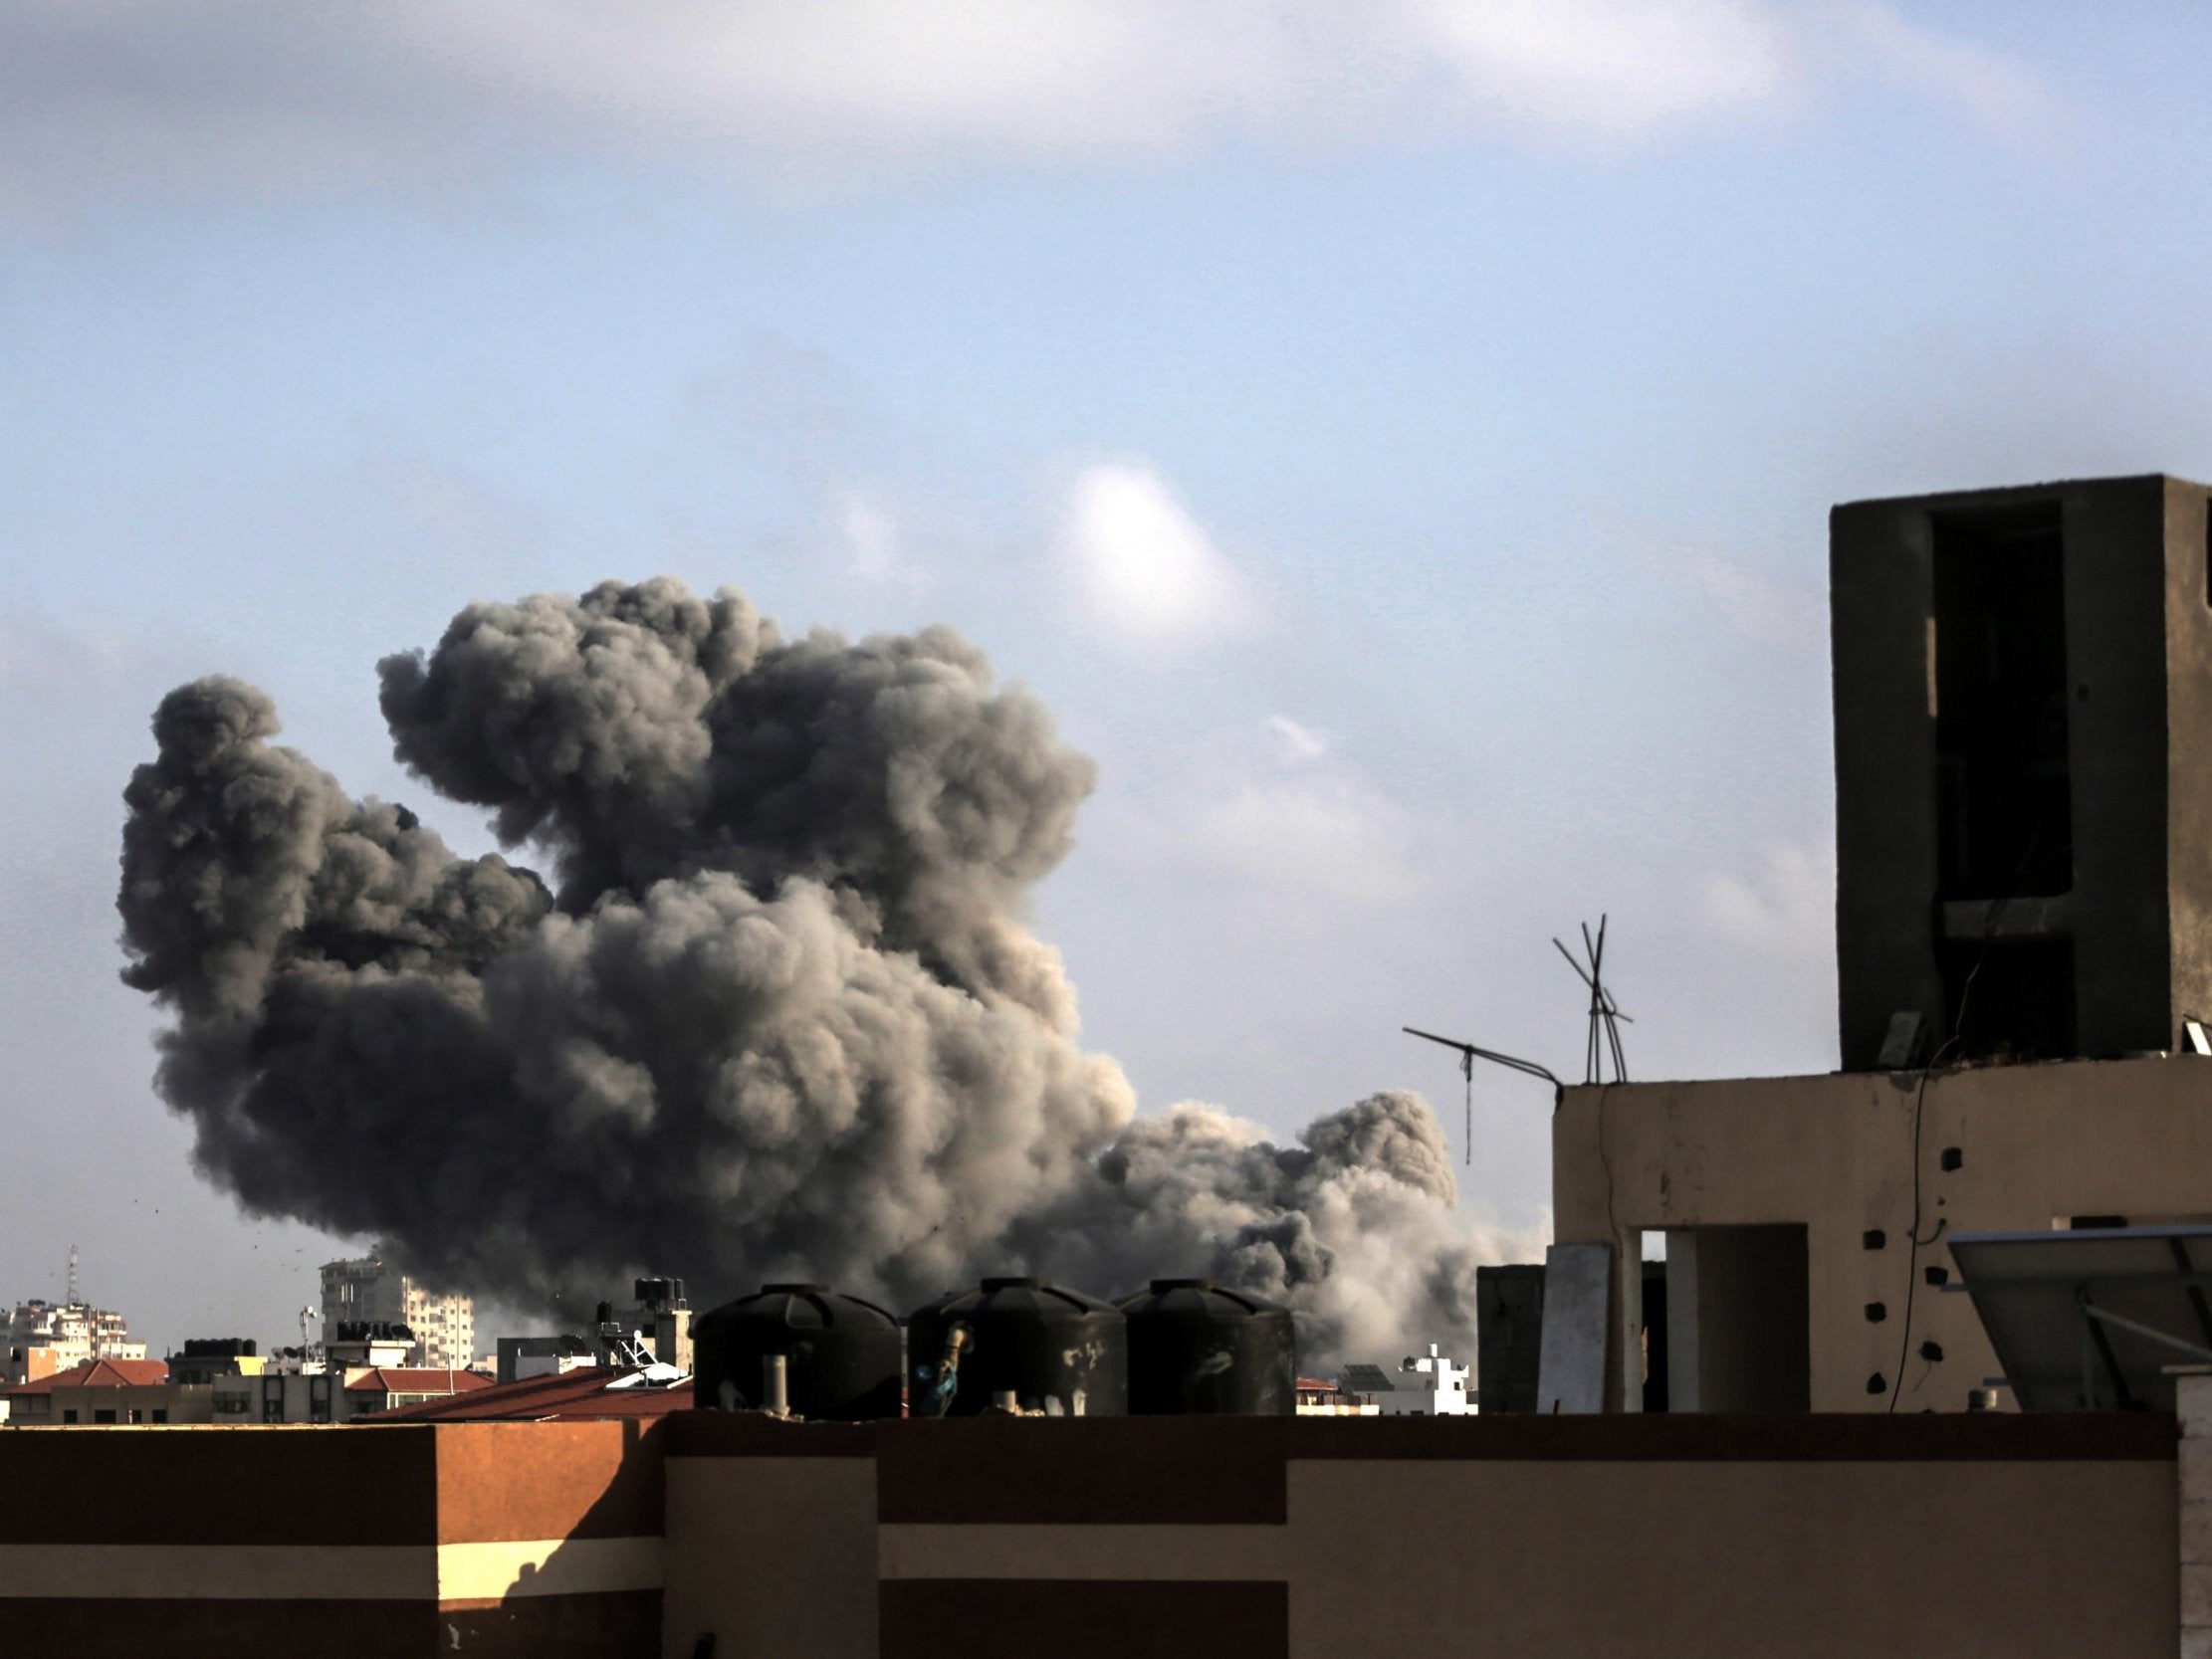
1468,1055
1605,1015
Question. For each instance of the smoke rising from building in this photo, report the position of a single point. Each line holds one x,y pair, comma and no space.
773,1012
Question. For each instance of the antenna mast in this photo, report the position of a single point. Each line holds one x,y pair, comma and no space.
1604,1032
1468,1055
73,1276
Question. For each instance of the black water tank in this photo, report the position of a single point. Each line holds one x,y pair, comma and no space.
841,1355
1198,1347
1055,1349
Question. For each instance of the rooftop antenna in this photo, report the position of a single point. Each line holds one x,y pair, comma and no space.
1605,1013
306,1314
73,1276
1468,1055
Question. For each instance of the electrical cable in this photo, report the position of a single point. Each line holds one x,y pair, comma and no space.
1920,1103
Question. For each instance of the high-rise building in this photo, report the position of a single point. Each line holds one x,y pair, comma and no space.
370,1289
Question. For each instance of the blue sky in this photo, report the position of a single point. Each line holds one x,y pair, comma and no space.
1395,441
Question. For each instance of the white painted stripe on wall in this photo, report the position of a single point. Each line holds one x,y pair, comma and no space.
332,1573
907,1549
549,1567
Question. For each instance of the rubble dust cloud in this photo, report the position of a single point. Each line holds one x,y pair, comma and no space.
773,1010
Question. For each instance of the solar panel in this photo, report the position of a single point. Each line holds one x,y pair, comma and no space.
2090,1321
1365,1379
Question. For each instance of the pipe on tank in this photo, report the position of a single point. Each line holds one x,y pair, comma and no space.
775,1385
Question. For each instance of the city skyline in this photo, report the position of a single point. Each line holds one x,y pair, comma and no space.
1398,453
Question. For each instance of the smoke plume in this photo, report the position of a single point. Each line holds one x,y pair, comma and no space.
771,1012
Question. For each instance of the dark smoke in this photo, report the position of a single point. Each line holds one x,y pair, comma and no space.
776,1014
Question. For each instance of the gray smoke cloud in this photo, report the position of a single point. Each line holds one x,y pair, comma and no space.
776,1012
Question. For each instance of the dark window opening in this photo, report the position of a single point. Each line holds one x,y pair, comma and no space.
103,1414
2003,789
1654,1336
69,1414
2095,1223
2008,997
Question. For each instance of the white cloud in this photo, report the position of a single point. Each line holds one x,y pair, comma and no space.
1142,566
1299,826
1787,908
103,97
870,539
1295,744
2003,94
1783,615
1329,839
1610,67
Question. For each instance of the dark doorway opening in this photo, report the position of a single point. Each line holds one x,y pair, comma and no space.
1740,1320
2002,786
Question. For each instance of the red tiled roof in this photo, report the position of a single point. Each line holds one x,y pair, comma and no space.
415,1380
577,1394
98,1374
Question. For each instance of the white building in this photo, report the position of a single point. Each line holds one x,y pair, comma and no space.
1424,1385
370,1290
47,1338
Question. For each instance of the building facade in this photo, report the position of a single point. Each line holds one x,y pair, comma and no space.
2022,711
2031,1537
372,1290
45,1338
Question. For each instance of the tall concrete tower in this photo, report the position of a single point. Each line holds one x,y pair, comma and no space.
2023,699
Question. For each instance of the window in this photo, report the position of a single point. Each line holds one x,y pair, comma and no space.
161,1413
69,1415
137,1415
271,1408
103,1414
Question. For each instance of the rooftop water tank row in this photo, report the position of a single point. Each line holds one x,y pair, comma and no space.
1184,1345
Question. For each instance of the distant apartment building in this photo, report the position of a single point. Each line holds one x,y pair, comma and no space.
105,1391
370,1290
46,1337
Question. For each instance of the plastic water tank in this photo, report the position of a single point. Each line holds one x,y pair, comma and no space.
1198,1347
841,1355
1053,1350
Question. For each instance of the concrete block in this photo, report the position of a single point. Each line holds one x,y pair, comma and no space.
2197,1531
2196,1597
2192,1403
1577,1300
2193,1468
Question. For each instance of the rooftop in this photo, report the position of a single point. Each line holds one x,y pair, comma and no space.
585,1393
98,1374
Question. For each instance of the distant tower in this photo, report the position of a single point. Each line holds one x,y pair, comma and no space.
72,1297
2023,704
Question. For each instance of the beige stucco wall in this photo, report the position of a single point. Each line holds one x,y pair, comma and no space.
1713,1559
2129,1137
776,1556
1516,1558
